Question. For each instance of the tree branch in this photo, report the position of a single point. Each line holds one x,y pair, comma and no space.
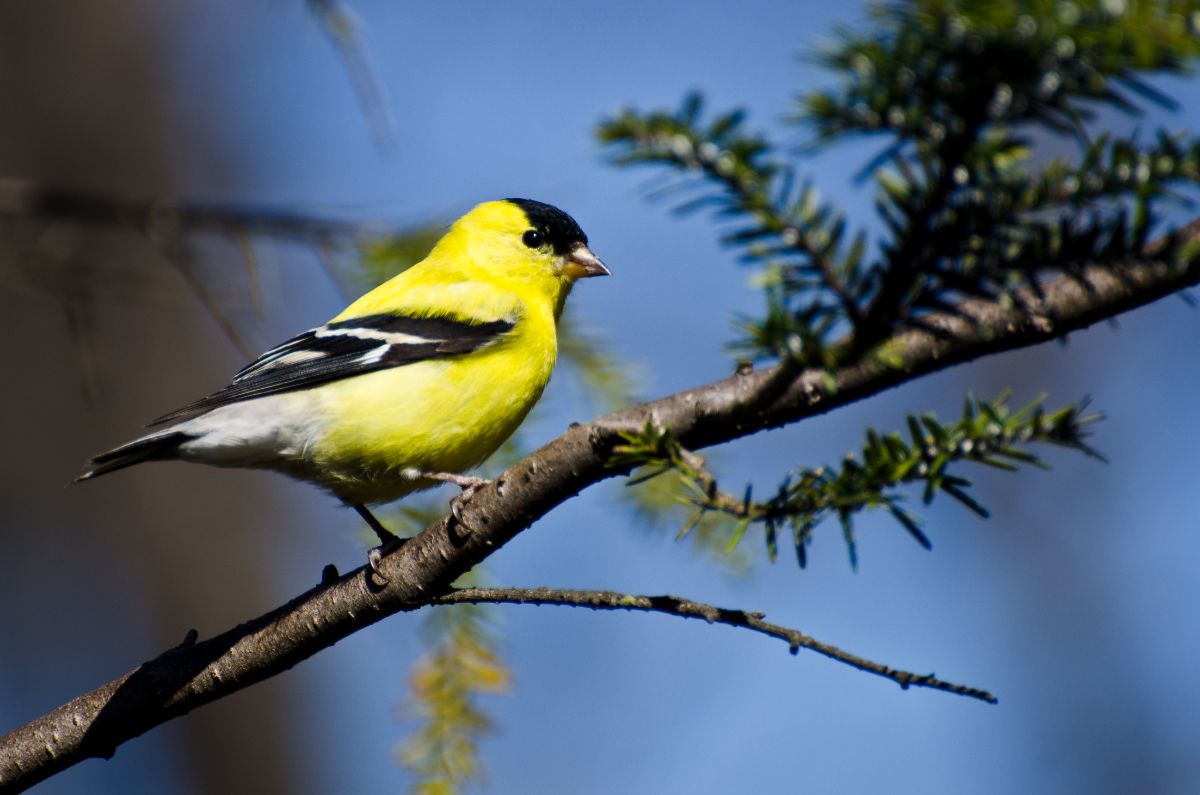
195,674
686,608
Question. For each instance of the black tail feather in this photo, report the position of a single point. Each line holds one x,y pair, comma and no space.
148,448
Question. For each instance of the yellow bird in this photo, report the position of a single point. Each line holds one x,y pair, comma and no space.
416,382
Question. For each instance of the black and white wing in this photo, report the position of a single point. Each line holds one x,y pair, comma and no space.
348,348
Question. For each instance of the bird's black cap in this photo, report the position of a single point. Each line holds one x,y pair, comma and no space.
559,229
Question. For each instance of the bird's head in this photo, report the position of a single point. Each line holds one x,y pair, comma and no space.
529,241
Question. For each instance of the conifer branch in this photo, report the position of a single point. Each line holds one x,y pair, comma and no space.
988,433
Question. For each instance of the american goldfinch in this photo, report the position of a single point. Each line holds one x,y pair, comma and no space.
417,381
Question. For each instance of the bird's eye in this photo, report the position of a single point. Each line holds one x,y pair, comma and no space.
532,238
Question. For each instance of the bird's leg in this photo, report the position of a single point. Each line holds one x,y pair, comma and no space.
382,532
468,483
386,537
464,482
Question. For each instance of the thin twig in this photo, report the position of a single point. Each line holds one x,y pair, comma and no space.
207,299
686,608
344,31
829,274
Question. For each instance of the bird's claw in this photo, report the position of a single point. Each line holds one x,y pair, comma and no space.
375,555
456,504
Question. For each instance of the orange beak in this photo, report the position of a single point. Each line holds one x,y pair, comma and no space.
582,263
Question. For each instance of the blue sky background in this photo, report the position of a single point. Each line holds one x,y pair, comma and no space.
1075,603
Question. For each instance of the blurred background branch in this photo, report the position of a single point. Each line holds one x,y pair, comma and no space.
344,30
28,200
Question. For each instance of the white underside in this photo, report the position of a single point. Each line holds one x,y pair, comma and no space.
272,432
